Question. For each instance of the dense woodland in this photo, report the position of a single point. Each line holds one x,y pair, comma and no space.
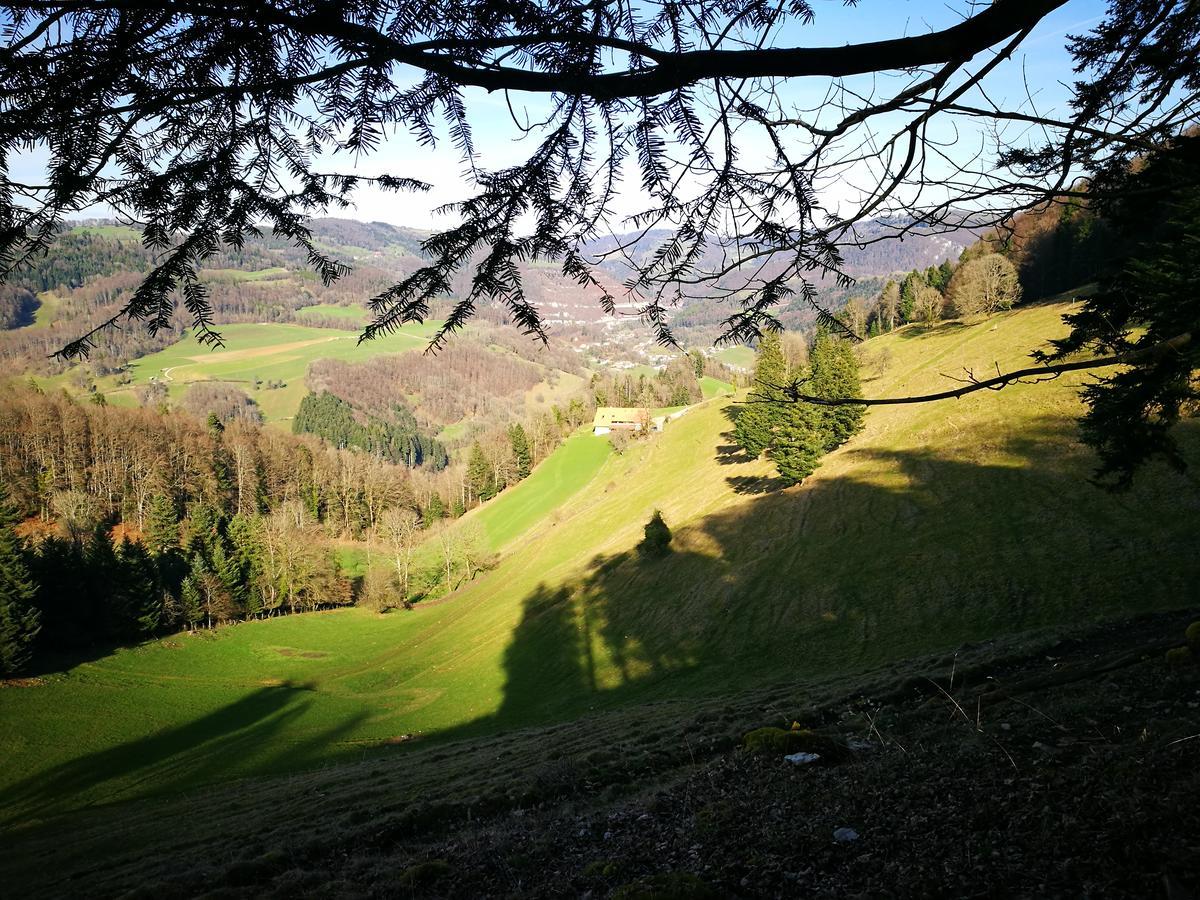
396,438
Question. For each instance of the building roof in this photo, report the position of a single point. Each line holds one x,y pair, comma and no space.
609,415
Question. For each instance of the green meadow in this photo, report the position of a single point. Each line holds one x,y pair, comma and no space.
274,352
981,504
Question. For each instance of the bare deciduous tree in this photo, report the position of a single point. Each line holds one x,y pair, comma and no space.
984,285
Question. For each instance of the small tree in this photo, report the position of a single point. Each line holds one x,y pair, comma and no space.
928,305
984,285
799,442
756,421
834,374
522,457
657,540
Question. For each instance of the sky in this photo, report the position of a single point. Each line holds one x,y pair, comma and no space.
1042,62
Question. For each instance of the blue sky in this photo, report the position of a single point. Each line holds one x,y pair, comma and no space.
1042,63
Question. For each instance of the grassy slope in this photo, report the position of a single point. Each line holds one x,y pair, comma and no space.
272,352
937,525
520,509
714,387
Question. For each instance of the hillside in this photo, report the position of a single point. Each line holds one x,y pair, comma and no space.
982,506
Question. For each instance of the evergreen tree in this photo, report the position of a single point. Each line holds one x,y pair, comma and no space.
246,549
799,442
19,618
102,618
434,511
137,593
757,419
657,537
834,374
522,457
161,532
913,281
480,478
228,571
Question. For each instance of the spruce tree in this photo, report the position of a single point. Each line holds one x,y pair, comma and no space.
758,418
19,617
521,454
162,525
799,442
137,592
834,374
479,474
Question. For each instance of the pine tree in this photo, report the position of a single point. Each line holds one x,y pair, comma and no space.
834,375
19,617
137,592
246,548
908,294
522,457
434,511
228,571
657,537
757,420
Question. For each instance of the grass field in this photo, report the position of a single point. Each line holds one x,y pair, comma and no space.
935,526
522,508
714,387
741,356
353,315
270,352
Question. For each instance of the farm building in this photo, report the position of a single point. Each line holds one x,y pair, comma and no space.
624,418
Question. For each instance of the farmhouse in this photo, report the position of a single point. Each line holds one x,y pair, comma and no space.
625,418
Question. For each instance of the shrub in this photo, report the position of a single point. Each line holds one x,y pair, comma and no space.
781,742
1179,657
657,540
1193,636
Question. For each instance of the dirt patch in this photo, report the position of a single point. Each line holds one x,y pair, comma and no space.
22,682
256,352
292,652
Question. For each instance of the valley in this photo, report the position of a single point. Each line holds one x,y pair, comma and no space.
983,510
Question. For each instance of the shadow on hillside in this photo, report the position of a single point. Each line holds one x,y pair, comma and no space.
906,552
206,749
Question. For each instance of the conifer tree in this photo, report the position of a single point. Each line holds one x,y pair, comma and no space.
435,510
757,420
161,532
480,478
656,541
523,459
799,442
138,594
834,373
19,617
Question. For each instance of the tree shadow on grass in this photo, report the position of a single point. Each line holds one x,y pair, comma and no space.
906,552
206,749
